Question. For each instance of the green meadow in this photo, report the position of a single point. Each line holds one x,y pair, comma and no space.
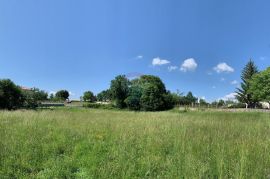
95,143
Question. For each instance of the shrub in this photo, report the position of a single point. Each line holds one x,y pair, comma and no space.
11,96
62,95
88,96
98,106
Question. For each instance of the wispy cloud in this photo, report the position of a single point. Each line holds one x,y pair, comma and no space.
139,57
133,75
223,67
172,68
189,65
234,82
214,87
222,79
230,97
158,61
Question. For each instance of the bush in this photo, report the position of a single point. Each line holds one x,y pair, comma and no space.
133,100
62,95
11,96
119,90
98,106
88,96
151,99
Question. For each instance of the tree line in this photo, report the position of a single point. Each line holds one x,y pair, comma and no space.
255,86
146,93
13,96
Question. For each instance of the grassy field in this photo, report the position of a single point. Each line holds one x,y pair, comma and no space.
85,143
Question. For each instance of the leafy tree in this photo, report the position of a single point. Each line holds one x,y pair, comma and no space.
104,95
11,96
169,100
221,103
34,97
260,86
153,94
145,80
203,102
190,99
51,96
151,99
243,94
89,96
119,90
62,95
134,96
176,98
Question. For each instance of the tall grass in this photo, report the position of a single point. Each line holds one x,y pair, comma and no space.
86,143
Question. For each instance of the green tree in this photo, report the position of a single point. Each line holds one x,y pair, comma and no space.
243,94
151,99
119,90
89,96
34,97
133,99
190,99
62,95
154,96
203,102
260,86
104,95
11,96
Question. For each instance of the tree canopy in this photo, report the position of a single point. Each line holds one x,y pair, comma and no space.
260,86
62,95
88,96
119,90
11,96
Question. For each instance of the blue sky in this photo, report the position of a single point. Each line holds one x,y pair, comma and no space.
192,45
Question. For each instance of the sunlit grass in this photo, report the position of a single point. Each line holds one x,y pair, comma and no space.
86,143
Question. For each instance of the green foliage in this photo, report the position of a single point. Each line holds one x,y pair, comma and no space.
104,96
62,95
98,106
260,86
243,94
33,97
203,102
119,90
152,99
190,99
11,96
134,97
148,93
88,96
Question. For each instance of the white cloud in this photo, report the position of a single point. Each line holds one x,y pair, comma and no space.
159,61
139,57
223,67
172,68
222,79
189,65
214,87
234,82
230,97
